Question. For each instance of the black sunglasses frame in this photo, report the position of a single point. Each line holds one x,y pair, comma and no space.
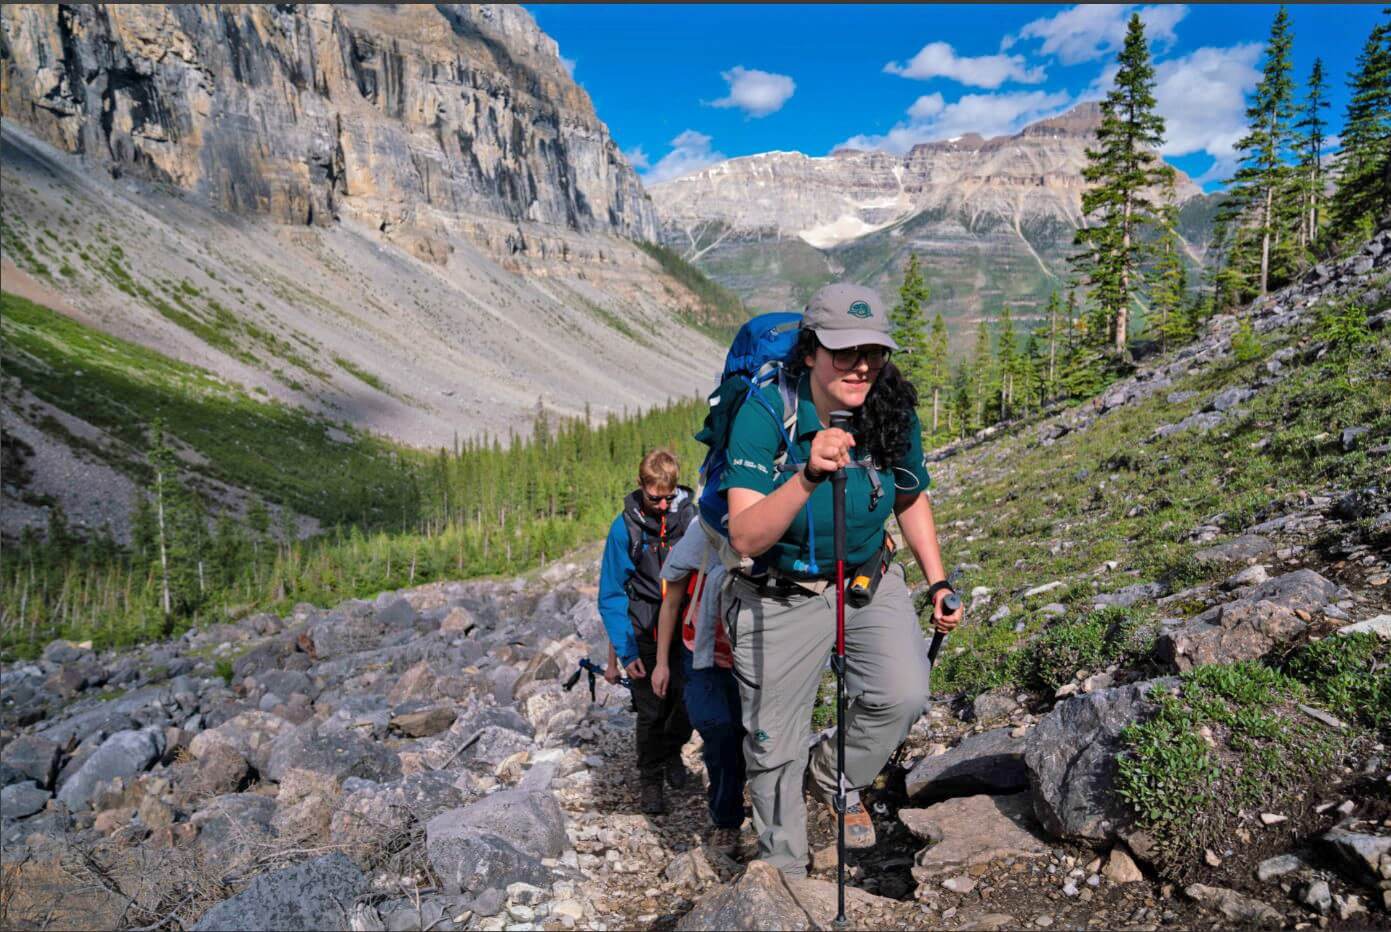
860,352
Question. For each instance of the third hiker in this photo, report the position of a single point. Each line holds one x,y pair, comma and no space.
655,515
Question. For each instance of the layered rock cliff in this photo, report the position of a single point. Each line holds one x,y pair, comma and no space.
403,116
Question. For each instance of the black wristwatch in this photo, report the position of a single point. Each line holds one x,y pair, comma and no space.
814,476
937,587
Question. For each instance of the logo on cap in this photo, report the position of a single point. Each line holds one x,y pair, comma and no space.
861,310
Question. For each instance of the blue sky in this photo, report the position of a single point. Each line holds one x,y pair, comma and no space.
681,87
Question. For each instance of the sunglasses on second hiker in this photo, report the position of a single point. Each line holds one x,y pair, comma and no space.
846,360
654,499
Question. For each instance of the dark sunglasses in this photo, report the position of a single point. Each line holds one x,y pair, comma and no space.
654,499
847,360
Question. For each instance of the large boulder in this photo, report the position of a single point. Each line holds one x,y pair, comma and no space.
232,829
348,629
369,812
1303,590
1071,758
502,836
316,894
760,899
249,734
21,800
1245,629
124,754
975,830
33,758
338,754
989,762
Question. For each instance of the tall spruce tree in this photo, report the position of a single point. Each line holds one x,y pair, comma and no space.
1363,192
1121,170
1167,277
165,493
1050,372
1009,368
1266,145
938,353
1311,139
909,328
982,374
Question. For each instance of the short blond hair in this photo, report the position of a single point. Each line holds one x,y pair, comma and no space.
659,468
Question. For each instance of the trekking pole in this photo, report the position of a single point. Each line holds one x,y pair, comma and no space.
841,420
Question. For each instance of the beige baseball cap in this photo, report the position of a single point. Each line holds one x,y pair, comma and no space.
845,315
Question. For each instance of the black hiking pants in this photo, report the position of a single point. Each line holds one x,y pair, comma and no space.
662,723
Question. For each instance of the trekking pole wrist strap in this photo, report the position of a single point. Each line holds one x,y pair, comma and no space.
813,475
937,587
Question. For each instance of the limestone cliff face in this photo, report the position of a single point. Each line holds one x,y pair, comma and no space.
410,118
1026,180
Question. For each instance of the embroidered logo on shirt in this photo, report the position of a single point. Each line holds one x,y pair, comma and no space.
750,464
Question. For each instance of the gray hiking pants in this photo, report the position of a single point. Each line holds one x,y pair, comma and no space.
780,650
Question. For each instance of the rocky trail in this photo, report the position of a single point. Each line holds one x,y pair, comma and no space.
416,762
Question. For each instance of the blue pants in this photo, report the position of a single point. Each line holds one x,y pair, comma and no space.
712,704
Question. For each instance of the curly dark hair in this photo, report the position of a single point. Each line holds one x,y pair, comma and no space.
882,424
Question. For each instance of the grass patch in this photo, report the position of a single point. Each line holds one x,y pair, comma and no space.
359,373
279,451
719,313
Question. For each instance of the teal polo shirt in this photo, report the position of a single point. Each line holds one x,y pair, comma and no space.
754,442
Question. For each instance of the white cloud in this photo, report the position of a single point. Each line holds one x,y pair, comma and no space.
1202,97
939,60
569,65
931,119
1088,32
690,152
637,157
757,93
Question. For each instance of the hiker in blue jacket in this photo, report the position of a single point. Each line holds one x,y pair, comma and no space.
655,516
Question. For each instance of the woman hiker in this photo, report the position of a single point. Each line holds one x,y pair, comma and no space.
782,623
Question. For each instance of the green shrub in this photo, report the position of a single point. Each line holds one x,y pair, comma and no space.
1103,637
1230,741
1351,675
1246,346
223,669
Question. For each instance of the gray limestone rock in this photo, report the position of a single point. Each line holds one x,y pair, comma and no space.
33,757
313,895
469,861
336,754
1071,759
1241,549
124,754
1363,854
21,800
989,762
760,899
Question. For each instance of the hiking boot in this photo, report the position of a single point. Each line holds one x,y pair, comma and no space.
677,774
727,841
654,799
859,829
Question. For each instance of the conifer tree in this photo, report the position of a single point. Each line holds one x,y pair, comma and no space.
1311,138
1008,357
1050,372
1168,278
938,354
1121,170
1363,192
165,491
982,374
909,328
1263,172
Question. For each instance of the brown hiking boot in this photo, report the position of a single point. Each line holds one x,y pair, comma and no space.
654,799
859,828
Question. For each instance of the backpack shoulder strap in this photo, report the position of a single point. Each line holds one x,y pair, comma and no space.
787,393
637,538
